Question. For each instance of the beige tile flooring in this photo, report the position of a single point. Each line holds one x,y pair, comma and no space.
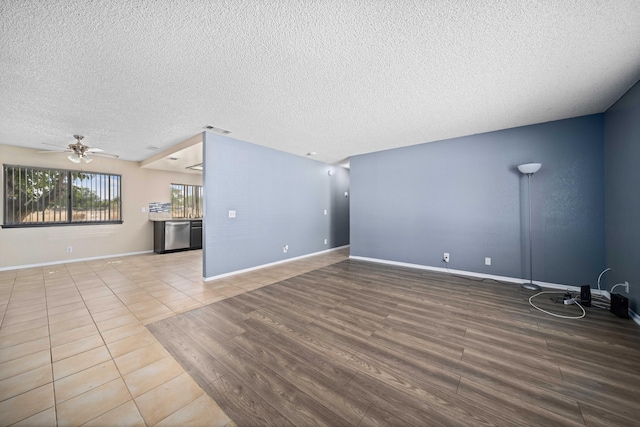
74,349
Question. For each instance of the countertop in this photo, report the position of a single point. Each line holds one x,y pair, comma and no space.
174,219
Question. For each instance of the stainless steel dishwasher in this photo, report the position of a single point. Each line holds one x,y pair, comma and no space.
177,235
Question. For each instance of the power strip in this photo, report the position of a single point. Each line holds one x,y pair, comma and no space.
568,299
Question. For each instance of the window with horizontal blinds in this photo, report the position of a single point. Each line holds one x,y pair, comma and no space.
40,197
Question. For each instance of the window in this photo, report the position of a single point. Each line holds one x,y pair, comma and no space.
186,201
38,196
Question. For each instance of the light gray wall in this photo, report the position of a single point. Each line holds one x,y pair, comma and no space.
279,199
465,196
622,145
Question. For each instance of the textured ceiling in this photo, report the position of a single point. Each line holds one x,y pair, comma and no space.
336,77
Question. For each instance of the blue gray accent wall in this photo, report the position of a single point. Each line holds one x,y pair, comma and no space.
466,197
339,207
279,199
622,150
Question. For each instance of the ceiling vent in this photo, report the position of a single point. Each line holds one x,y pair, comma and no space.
217,130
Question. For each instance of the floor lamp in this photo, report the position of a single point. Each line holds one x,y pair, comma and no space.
529,169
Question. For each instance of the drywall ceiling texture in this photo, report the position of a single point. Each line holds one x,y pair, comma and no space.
335,77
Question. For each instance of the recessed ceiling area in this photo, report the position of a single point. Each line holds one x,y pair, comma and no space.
336,77
179,158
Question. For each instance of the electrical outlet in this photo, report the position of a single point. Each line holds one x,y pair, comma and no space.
69,249
487,261
446,257
285,249
325,241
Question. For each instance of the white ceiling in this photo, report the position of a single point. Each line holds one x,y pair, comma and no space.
336,77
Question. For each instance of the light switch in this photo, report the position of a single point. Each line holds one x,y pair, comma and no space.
325,211
232,214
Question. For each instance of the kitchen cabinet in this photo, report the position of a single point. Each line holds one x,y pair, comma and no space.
177,235
196,234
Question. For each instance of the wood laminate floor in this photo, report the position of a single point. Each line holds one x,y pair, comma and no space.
362,344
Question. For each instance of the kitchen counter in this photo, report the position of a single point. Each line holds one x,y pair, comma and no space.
156,219
172,235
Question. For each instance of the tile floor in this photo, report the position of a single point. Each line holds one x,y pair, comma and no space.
74,349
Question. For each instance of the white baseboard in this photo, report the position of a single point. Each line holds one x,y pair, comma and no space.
68,261
258,267
515,280
634,316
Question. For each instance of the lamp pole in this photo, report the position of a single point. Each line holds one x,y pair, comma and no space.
529,169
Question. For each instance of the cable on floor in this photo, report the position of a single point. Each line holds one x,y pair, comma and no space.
597,304
554,314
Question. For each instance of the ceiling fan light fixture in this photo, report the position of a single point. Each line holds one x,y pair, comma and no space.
79,152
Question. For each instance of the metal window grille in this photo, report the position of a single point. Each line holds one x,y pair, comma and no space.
186,201
40,196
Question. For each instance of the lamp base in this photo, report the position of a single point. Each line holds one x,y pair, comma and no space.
531,286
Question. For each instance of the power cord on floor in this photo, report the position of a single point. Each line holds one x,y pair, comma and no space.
600,302
575,301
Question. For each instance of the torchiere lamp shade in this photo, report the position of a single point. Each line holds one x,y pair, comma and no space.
529,168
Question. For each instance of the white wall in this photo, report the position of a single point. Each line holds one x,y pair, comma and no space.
37,245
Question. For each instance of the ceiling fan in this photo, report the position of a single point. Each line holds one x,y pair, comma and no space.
80,152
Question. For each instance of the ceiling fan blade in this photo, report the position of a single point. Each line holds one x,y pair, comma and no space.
55,145
113,156
54,151
95,150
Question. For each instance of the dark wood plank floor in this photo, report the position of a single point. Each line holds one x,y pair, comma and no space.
362,344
